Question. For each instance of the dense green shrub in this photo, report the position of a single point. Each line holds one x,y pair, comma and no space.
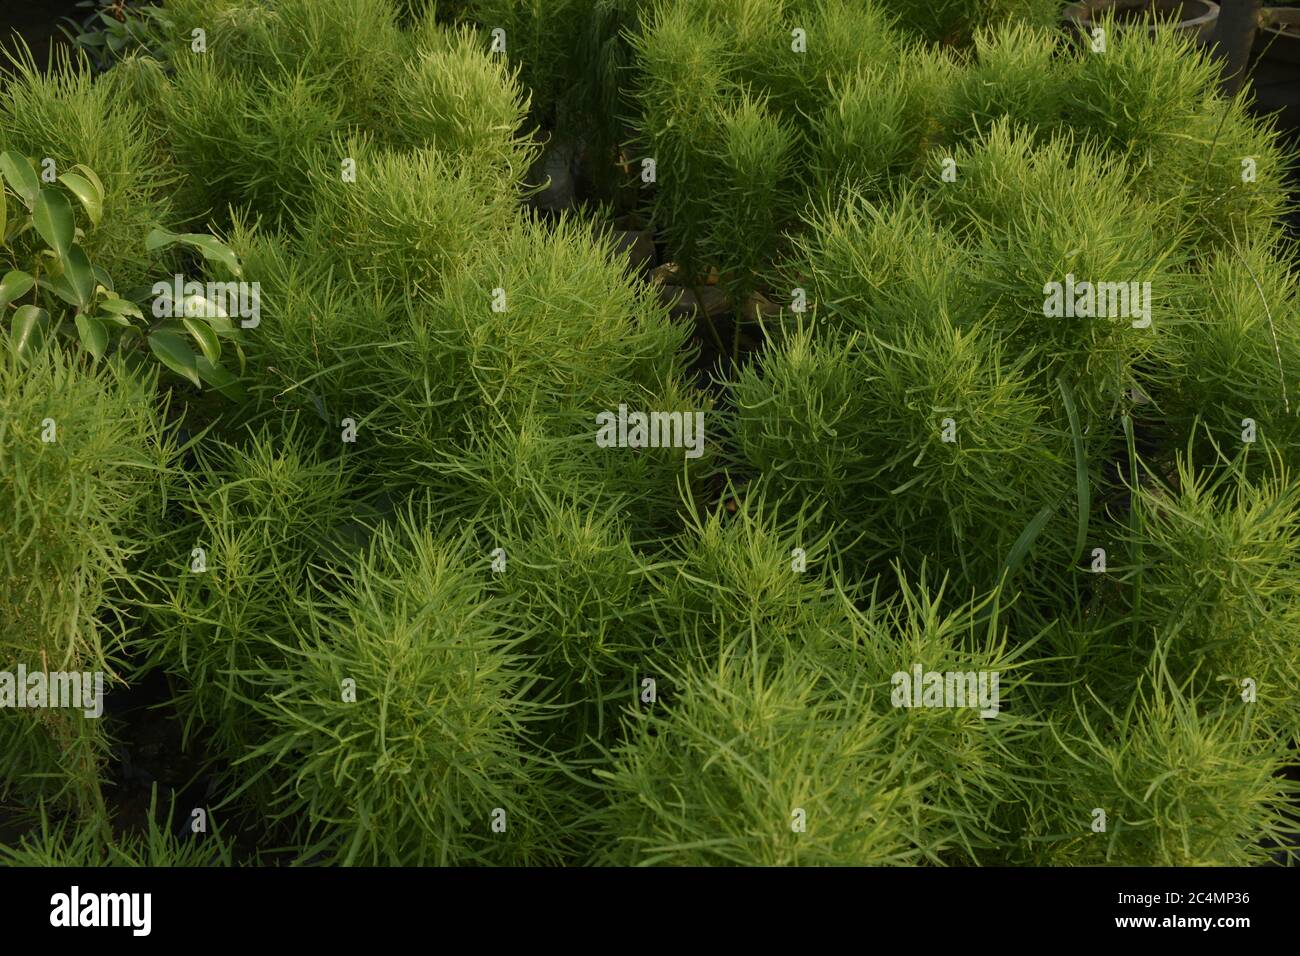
1214,581
409,763
251,526
1234,354
884,465
717,770
84,455
412,604
793,754
1178,786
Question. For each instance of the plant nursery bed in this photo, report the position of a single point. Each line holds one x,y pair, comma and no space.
314,319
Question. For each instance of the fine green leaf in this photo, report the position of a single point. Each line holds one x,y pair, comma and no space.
1020,550
1081,487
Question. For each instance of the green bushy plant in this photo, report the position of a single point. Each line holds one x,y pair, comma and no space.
572,578
83,457
258,144
353,48
722,769
1212,583
454,98
754,163
876,267
265,512
1016,73
1154,99
934,445
1178,785
878,123
754,572
60,844
536,335
409,763
1096,231
411,218
743,752
1234,355
284,85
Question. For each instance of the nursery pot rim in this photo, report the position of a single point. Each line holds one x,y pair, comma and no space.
1269,38
1082,12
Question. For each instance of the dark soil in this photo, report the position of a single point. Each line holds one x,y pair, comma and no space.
35,22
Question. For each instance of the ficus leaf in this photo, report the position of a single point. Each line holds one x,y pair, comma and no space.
213,249
52,217
31,325
19,172
173,352
120,306
14,286
80,276
95,181
85,191
93,334
206,338
221,379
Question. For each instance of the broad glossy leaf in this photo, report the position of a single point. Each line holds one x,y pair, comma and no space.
19,172
60,286
222,380
91,198
14,286
205,337
81,278
175,353
52,217
30,328
84,170
201,307
213,249
93,335
120,306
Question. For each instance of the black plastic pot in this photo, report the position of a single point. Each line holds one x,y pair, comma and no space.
1278,36
1195,17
